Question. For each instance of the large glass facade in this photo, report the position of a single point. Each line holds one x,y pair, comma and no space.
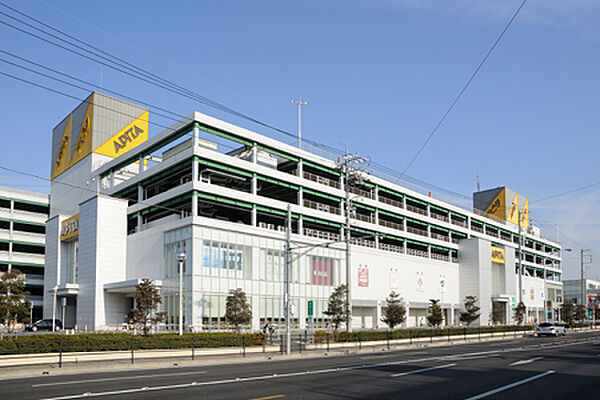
177,241
69,261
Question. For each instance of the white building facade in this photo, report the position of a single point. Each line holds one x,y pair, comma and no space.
220,193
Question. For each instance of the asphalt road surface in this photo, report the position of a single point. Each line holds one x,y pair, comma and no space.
525,368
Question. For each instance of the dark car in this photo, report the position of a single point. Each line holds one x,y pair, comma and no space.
44,325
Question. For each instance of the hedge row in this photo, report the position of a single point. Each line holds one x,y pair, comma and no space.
53,343
365,336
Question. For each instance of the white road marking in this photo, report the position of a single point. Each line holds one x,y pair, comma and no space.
120,378
512,385
521,362
418,371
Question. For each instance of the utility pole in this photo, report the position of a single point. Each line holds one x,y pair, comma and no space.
300,103
347,237
520,257
286,285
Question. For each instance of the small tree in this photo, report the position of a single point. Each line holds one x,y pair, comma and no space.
338,309
237,309
520,312
497,314
395,313
435,316
567,313
580,312
13,304
147,300
471,312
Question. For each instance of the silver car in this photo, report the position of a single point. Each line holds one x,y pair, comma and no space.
550,329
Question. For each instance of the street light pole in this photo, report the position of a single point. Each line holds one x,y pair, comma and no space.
54,289
520,257
180,260
300,103
347,237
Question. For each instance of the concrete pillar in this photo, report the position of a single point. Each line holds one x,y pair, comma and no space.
112,179
195,171
452,315
254,154
300,197
140,198
342,209
142,164
300,226
376,193
253,219
378,311
300,169
376,214
254,185
428,231
194,205
407,320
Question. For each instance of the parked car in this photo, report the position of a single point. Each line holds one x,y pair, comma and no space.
550,329
44,325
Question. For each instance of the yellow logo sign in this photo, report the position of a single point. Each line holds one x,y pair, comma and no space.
498,255
83,147
497,209
64,152
134,134
69,228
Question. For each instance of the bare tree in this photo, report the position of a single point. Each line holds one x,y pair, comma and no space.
147,299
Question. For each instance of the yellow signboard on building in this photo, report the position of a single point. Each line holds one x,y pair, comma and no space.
69,228
63,157
134,134
498,255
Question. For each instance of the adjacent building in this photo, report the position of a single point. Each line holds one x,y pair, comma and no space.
124,204
23,216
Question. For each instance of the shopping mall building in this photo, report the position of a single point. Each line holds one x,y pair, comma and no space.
123,204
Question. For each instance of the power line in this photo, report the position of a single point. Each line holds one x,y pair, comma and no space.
457,98
567,192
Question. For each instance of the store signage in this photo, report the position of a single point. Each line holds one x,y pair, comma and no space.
363,276
132,135
532,294
69,228
310,308
498,255
321,271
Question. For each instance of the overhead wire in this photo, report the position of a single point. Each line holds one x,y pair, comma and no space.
148,77
465,87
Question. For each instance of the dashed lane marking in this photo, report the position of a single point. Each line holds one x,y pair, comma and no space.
512,385
419,371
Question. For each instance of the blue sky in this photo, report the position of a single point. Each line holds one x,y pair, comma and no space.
378,75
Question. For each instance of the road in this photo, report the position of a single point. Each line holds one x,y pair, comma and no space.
524,368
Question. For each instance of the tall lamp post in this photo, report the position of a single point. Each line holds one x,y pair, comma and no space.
54,289
180,261
300,103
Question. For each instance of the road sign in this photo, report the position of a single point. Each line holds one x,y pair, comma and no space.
310,307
